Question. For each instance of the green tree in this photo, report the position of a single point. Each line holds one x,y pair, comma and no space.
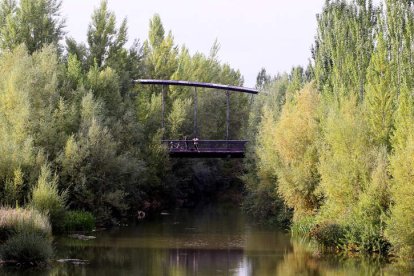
345,159
106,47
380,94
16,139
74,71
343,47
103,35
46,197
13,189
262,79
399,24
296,80
160,51
295,141
399,225
105,86
91,167
262,201
33,22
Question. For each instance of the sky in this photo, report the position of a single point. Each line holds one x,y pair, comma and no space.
274,34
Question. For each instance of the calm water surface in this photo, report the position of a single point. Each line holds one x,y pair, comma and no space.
210,241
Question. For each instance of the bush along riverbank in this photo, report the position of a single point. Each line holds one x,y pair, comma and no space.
26,234
25,237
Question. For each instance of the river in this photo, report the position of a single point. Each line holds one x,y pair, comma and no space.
208,241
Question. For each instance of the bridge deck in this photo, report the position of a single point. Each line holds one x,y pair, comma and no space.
206,148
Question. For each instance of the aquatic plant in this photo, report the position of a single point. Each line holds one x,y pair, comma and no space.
78,221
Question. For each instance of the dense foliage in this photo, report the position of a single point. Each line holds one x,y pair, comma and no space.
339,150
77,134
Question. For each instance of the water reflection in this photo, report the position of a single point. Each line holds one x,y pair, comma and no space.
303,260
212,241
205,262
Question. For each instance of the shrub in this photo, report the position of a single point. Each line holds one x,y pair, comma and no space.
366,222
78,221
27,247
47,199
328,235
13,221
26,234
366,237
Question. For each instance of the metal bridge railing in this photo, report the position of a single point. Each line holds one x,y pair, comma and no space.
176,146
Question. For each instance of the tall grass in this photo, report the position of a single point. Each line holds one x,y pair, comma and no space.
19,220
78,221
302,227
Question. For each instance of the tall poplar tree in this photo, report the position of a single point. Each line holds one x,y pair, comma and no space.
381,94
33,22
343,46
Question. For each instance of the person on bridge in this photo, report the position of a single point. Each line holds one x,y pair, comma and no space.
186,142
195,140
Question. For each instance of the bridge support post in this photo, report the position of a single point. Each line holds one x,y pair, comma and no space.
163,110
227,114
195,112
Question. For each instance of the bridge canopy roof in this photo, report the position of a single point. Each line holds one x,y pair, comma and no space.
199,84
